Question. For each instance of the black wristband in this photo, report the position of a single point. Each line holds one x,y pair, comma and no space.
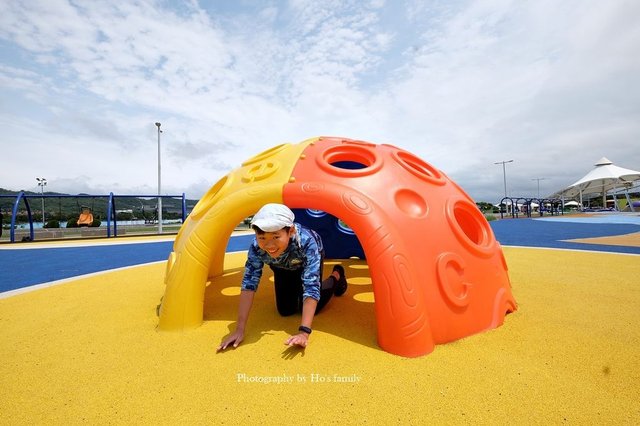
304,329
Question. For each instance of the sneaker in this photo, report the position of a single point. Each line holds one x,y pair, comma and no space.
341,285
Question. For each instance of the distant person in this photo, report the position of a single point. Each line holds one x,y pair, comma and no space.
296,256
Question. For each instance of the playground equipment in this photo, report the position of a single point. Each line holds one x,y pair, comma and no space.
438,272
110,208
515,205
86,216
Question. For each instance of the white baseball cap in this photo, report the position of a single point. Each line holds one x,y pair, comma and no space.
273,217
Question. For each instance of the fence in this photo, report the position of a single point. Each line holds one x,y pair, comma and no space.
111,210
526,206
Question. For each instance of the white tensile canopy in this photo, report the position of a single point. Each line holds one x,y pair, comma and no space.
603,178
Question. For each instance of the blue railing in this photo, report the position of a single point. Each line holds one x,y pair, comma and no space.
517,203
111,208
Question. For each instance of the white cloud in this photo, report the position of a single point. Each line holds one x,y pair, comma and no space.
460,84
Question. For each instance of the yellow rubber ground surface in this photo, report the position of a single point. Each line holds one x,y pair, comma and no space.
87,351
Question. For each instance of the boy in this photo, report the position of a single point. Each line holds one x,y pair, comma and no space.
295,254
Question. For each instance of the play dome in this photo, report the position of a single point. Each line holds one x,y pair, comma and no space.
437,271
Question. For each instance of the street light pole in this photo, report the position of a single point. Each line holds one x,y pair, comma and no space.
539,179
42,182
504,174
159,185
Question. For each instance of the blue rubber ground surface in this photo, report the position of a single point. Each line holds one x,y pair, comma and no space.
551,233
25,267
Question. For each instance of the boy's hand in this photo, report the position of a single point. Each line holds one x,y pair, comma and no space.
235,339
300,339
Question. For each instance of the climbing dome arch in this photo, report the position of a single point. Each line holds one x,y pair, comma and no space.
437,271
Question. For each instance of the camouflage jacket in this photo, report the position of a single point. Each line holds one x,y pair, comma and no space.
304,251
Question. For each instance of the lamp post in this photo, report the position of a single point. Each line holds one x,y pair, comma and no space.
539,179
159,185
42,182
504,174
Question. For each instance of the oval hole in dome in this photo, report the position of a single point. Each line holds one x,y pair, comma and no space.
419,168
470,224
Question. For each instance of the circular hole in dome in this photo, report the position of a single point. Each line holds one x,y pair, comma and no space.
419,168
352,157
349,159
207,201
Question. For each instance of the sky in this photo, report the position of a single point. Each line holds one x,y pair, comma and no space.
552,85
